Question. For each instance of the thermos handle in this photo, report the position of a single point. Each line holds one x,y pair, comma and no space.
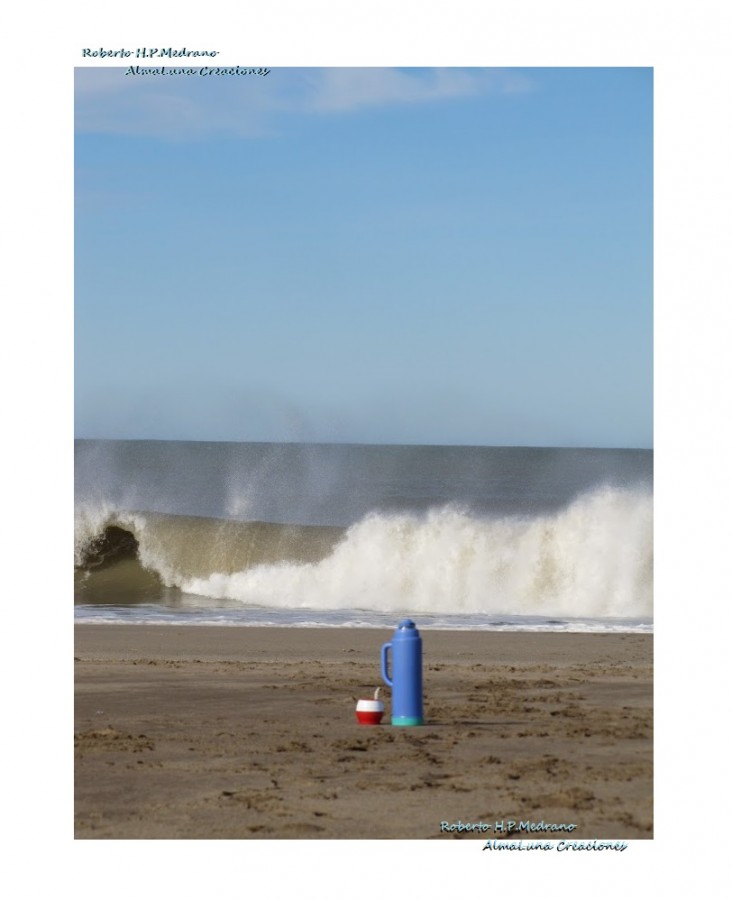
385,664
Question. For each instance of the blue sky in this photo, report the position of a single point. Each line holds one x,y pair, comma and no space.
370,255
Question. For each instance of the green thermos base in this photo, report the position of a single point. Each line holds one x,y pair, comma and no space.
407,720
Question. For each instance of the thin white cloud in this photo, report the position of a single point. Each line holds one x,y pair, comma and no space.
345,90
108,100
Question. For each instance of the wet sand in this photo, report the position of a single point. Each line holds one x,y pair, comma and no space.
204,732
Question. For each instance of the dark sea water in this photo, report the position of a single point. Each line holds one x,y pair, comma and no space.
327,534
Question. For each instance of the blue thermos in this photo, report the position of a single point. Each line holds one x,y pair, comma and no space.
406,680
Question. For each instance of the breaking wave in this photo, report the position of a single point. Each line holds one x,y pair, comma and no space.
592,559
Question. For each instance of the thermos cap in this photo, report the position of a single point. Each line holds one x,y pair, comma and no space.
406,623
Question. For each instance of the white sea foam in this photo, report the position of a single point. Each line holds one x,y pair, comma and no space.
594,559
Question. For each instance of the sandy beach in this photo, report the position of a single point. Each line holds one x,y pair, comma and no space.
216,732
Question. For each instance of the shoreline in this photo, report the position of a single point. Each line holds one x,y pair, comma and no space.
211,732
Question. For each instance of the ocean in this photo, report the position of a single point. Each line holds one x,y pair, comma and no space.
343,535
